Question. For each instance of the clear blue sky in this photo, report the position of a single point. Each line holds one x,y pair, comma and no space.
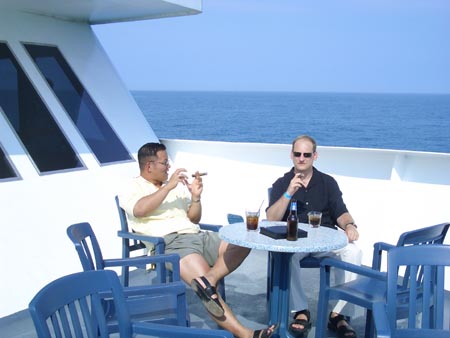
289,45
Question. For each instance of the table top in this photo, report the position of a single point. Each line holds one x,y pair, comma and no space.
321,239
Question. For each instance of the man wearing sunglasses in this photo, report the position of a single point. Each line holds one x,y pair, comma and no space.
314,191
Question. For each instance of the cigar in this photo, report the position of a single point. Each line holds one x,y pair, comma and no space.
199,174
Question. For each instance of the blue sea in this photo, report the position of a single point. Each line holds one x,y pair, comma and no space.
386,121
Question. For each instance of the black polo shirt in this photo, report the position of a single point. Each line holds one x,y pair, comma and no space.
321,194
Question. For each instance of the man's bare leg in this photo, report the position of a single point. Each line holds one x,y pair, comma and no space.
194,265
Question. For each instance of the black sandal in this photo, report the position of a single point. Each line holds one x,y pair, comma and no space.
266,333
208,295
344,330
303,332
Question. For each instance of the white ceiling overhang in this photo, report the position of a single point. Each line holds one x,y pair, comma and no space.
104,11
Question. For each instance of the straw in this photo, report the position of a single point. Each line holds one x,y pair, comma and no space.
260,206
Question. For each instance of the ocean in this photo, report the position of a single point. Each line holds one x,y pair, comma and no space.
419,122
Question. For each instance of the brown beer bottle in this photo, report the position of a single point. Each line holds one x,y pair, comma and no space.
292,222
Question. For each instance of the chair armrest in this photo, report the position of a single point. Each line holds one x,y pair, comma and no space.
158,242
360,270
177,287
210,227
381,320
153,290
378,249
161,330
173,259
138,237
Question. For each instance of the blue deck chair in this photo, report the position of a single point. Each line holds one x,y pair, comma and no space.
158,303
132,241
73,306
425,293
370,285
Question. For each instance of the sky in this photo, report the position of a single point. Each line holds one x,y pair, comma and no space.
365,46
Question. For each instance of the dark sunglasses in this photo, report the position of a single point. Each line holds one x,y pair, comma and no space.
298,154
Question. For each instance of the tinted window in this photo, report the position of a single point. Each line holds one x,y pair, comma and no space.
6,169
30,118
91,123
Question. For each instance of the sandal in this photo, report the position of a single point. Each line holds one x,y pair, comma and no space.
306,323
343,330
266,333
208,296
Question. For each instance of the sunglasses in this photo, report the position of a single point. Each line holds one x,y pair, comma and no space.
305,155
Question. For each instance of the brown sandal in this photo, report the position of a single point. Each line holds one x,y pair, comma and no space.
266,333
344,330
208,296
300,332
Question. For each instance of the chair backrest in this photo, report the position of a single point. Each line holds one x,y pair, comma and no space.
434,234
127,247
86,245
234,218
73,305
425,289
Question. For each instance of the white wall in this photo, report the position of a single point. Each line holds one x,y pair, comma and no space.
383,202
37,209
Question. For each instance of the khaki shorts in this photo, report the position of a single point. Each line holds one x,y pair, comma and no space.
205,244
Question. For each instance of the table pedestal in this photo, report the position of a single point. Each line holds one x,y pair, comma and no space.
279,275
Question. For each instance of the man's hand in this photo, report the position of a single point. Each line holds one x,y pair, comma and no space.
177,177
196,187
351,232
295,184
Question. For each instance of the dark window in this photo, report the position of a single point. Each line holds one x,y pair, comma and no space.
30,118
91,123
6,169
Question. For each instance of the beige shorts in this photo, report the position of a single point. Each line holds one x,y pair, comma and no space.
205,244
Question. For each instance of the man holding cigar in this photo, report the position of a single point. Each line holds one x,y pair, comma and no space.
314,191
157,205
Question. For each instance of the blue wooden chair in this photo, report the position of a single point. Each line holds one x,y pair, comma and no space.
132,241
73,306
370,285
158,303
425,293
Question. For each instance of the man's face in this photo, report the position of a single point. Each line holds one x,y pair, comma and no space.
158,168
303,156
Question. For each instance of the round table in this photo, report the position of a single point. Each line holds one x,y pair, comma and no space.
321,239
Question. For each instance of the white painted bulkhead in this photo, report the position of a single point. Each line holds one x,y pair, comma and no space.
37,209
388,192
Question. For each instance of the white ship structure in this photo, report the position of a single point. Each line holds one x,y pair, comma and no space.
70,130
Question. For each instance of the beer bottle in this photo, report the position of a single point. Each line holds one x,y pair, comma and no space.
292,222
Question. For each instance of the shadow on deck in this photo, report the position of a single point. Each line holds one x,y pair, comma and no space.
245,291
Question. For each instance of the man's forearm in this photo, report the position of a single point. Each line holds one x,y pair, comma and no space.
278,209
150,202
195,211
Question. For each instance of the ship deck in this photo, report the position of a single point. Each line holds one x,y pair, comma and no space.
245,292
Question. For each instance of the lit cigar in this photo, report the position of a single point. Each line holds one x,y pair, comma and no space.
199,174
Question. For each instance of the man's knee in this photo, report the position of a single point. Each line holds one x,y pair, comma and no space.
351,253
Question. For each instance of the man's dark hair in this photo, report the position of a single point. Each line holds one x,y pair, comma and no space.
148,151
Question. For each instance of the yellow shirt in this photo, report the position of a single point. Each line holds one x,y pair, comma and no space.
169,217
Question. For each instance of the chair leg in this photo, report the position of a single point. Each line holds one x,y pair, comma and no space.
370,330
125,277
322,304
